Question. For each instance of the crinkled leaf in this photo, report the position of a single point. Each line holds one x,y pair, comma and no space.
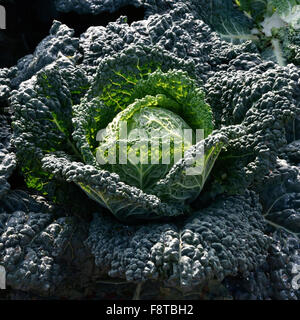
124,201
186,179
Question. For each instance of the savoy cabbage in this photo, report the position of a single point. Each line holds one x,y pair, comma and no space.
65,134
162,66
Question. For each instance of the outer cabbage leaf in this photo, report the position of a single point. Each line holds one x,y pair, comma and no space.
179,184
124,201
223,17
41,247
225,239
43,122
256,8
255,99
